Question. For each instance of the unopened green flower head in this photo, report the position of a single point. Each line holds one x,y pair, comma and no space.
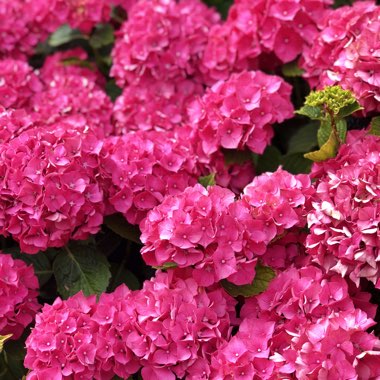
332,97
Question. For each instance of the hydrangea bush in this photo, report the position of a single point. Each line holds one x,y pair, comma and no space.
189,190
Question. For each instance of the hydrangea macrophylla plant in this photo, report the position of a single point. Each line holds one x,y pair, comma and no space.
261,34
18,296
49,190
346,53
240,111
170,327
138,169
162,39
345,214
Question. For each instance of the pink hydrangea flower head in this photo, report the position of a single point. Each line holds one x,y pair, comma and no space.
59,98
23,30
18,296
261,34
18,82
64,342
198,228
240,112
154,104
49,189
318,330
345,214
179,324
163,39
139,169
273,211
246,355
346,53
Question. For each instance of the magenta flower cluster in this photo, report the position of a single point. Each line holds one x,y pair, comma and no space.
137,171
344,219
18,296
261,34
346,53
223,238
170,327
240,111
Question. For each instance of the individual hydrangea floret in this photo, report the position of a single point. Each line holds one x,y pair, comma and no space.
163,39
49,190
240,111
139,169
18,296
346,53
345,214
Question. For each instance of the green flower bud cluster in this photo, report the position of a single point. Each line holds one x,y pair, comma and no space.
332,97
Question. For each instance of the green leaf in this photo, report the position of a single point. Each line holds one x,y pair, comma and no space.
324,132
79,267
65,34
15,353
121,275
74,61
349,109
269,161
375,126
3,339
296,163
208,180
311,112
102,36
328,150
118,224
292,69
40,262
304,139
167,265
263,277
341,128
